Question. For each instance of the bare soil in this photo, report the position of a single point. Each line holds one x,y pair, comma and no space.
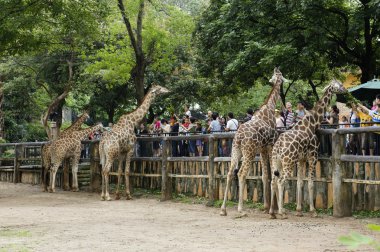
31,220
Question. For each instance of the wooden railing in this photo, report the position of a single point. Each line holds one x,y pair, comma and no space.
343,181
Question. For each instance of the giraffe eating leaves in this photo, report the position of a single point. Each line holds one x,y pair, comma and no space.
299,145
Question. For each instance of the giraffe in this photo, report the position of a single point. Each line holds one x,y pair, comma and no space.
256,135
299,145
119,143
46,149
68,146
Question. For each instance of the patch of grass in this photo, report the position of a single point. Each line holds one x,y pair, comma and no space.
189,199
254,205
218,203
290,206
366,214
328,211
14,233
14,247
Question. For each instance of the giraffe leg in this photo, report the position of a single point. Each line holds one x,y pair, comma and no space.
246,164
273,196
119,172
103,197
281,186
53,172
235,157
275,169
44,179
106,182
301,167
265,179
74,171
127,168
65,174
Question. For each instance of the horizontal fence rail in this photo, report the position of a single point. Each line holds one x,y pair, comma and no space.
344,181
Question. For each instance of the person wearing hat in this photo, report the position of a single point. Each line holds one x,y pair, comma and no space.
301,112
280,120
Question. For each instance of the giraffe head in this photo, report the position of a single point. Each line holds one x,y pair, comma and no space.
157,89
337,87
277,75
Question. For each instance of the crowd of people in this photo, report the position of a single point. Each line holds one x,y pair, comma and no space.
286,118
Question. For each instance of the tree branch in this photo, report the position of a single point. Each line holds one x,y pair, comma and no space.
128,26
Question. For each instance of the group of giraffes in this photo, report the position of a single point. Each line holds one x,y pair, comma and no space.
293,148
117,143
284,152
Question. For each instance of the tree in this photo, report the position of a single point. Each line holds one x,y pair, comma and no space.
240,41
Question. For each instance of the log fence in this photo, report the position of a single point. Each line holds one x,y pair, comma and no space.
344,181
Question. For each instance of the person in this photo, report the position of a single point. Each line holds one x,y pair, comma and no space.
301,112
192,143
199,142
174,132
375,114
343,123
165,126
156,130
232,123
222,122
143,144
215,124
354,144
248,115
334,115
280,120
187,111
289,115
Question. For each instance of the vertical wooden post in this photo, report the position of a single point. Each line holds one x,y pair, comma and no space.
95,173
342,191
166,182
54,130
17,163
211,174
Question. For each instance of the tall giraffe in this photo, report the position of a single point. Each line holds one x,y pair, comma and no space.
119,143
46,149
68,146
299,144
256,135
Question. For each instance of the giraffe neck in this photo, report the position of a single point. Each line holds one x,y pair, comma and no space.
76,125
80,134
267,110
321,106
138,114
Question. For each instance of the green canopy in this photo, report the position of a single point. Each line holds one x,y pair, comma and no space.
366,91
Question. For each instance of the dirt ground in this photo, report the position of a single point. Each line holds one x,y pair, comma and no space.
31,220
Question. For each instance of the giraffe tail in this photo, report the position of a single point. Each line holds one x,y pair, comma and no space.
102,154
277,166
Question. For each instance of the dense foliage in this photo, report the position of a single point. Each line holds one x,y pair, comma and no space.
104,55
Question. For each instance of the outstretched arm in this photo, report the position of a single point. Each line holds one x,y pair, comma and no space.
363,109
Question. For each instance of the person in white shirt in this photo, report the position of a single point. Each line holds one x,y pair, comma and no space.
280,120
232,123
187,111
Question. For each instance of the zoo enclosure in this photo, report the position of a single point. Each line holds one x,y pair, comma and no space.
346,182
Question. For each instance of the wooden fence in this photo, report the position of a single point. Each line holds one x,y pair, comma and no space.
344,181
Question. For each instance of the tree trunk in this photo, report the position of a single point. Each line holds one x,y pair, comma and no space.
139,81
314,89
368,68
1,110
111,114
